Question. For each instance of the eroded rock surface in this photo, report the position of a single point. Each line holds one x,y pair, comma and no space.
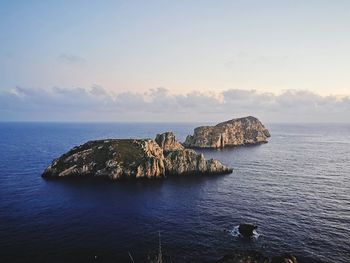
111,158
187,161
131,158
241,131
168,142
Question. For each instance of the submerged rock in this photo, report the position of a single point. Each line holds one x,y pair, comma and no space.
133,158
241,131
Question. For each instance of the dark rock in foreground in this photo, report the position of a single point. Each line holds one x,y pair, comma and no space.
255,257
285,258
245,257
242,131
133,158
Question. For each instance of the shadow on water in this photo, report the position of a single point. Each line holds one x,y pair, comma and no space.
229,148
140,184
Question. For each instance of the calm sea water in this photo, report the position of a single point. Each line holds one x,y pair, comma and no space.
296,189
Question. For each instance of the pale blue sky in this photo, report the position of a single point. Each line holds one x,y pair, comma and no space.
206,47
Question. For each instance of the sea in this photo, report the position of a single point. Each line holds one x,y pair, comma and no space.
295,188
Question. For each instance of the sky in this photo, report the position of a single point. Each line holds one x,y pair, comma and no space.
281,61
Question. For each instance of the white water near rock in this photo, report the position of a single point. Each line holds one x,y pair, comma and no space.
235,233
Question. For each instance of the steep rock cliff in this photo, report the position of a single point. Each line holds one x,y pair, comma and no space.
241,131
168,142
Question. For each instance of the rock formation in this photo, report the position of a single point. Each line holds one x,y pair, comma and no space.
245,257
246,230
285,258
187,161
255,257
168,142
242,131
131,158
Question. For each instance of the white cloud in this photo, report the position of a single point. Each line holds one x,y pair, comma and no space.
97,104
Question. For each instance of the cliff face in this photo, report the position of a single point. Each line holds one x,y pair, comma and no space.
168,142
242,131
128,158
189,162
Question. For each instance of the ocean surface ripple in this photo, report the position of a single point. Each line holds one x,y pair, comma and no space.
296,188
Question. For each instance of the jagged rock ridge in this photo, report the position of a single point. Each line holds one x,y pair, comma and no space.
168,142
133,158
235,132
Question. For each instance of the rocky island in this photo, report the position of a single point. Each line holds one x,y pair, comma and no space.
133,158
235,132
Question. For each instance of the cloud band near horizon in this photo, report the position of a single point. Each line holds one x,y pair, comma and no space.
158,105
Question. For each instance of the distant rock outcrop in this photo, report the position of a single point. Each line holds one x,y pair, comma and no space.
133,158
241,131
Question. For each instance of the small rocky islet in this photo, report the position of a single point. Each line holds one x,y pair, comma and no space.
146,158
236,132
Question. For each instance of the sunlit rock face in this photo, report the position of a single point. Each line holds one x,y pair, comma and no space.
179,160
168,142
131,158
187,161
114,158
242,131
